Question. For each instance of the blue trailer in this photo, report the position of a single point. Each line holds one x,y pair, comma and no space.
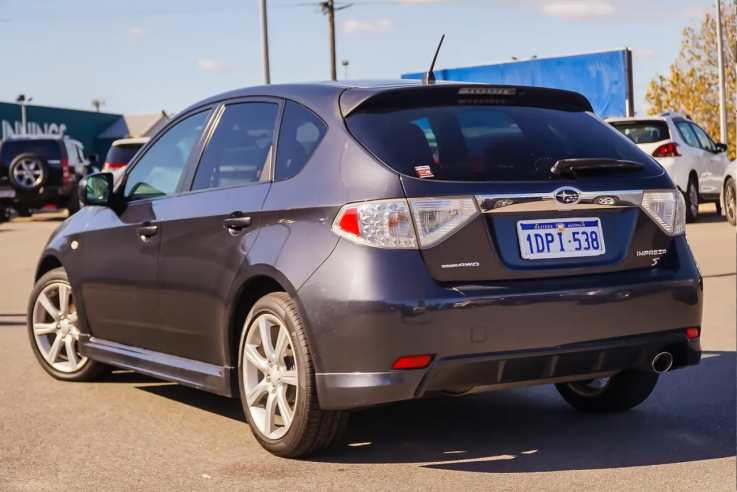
605,78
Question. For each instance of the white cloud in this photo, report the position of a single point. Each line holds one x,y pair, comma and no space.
578,9
136,32
212,66
366,27
644,53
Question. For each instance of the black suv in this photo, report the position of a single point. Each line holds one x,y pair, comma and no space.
316,248
41,170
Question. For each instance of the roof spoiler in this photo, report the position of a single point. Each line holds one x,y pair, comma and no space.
453,94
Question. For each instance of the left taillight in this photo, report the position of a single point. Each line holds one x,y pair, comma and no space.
111,166
399,224
65,172
381,224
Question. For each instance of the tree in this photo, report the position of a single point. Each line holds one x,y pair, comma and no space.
692,86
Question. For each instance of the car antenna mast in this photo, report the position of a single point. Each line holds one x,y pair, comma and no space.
429,77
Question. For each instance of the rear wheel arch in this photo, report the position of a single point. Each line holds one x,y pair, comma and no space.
256,282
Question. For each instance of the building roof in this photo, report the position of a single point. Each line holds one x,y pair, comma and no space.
135,125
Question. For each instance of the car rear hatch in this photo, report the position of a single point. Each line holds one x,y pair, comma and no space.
511,183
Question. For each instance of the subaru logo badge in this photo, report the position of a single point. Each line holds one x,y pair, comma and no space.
567,196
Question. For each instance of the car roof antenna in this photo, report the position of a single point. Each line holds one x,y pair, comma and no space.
429,77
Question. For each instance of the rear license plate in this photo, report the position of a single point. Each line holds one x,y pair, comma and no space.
7,193
560,238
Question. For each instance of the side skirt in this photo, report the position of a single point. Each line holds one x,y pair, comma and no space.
207,377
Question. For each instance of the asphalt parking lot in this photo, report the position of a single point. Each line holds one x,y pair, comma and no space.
131,432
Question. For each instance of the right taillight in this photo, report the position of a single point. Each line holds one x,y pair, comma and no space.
667,209
397,224
669,149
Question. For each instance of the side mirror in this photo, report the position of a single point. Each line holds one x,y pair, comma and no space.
721,148
96,189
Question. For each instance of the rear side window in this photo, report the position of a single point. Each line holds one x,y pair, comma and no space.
122,154
488,143
45,149
644,132
704,139
687,134
299,135
240,147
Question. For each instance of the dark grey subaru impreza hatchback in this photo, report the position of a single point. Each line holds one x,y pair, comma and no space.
315,248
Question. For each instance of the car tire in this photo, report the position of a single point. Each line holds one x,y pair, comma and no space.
309,429
4,213
46,330
730,197
622,391
691,195
22,211
73,205
28,172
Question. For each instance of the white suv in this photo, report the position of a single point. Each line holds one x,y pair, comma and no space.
694,162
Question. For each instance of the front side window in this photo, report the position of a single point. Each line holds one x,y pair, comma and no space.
299,135
240,148
158,172
704,140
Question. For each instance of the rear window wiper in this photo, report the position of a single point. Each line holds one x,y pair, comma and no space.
574,166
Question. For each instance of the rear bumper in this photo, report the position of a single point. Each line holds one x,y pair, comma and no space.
42,196
507,370
365,308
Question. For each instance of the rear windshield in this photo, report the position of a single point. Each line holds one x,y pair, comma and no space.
487,143
122,154
45,149
643,132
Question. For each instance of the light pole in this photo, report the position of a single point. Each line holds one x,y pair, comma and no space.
21,99
722,89
265,44
345,65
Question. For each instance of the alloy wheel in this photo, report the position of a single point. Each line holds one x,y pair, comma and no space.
55,328
28,173
590,387
730,197
693,199
270,376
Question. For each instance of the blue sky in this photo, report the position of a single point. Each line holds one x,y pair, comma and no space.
152,55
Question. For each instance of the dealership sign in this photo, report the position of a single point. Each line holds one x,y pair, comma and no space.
10,129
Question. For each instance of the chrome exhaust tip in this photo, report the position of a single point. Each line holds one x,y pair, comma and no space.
662,362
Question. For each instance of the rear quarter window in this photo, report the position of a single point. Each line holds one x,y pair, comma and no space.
488,143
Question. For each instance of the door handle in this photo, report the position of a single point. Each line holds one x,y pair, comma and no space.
237,223
147,231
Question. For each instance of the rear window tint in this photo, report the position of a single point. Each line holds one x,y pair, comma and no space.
644,132
488,143
45,149
122,154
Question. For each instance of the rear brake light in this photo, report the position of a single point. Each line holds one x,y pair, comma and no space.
667,209
65,173
438,218
692,333
382,224
667,150
109,166
413,362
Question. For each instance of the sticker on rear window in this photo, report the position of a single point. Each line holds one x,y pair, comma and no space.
424,171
